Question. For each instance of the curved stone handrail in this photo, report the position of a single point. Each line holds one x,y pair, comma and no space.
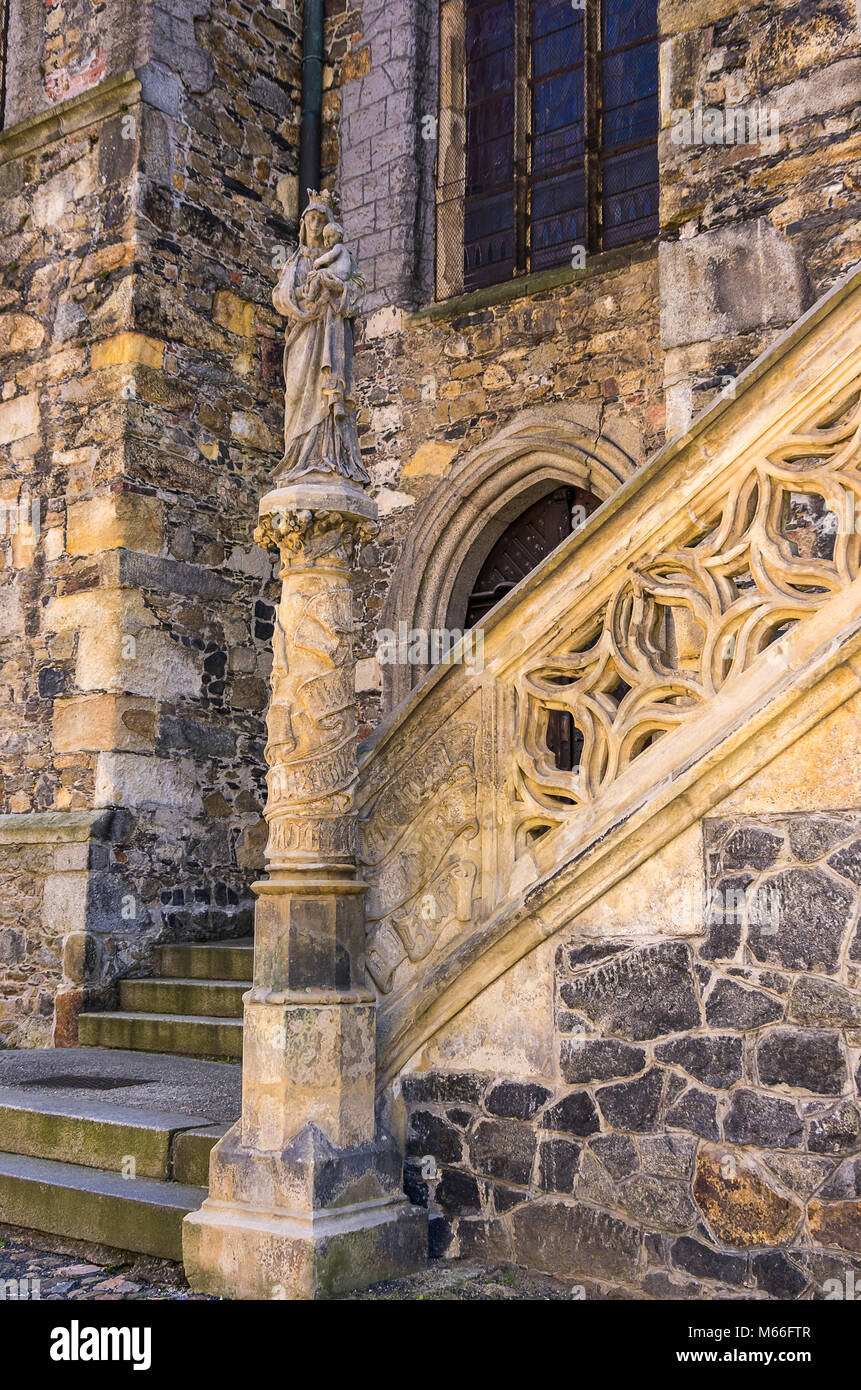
692,643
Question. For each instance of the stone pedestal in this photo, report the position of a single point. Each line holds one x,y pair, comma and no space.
306,1195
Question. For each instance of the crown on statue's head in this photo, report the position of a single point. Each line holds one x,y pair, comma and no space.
322,202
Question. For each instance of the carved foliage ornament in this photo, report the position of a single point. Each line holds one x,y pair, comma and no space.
306,538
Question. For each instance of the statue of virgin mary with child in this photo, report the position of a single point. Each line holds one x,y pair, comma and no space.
320,293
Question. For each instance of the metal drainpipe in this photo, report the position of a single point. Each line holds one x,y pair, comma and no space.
5,7
312,100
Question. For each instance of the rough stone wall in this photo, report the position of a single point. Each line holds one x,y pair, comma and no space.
346,58
699,1133
63,887
64,309
436,387
30,959
4,17
66,289
61,48
752,231
387,169
141,409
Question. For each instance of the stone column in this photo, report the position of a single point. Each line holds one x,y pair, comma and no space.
306,1196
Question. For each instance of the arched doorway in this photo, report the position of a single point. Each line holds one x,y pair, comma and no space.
523,545
566,445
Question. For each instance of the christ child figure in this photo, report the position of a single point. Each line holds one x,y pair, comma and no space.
334,267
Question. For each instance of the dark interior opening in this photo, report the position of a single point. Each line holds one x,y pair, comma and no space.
524,545
521,547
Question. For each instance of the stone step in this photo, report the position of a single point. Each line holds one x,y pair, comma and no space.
212,998
191,1150
186,1086
95,1133
91,1204
208,960
188,1035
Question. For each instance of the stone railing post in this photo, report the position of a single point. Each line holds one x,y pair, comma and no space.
306,1196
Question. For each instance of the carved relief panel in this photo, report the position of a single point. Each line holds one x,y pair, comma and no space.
419,847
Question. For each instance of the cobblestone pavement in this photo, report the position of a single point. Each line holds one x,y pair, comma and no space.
45,1275
456,1281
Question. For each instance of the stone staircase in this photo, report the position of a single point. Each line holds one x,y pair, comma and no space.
108,1144
192,1007
686,636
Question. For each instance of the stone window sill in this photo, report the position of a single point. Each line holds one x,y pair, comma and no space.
526,285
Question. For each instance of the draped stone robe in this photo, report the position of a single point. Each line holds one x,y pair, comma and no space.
320,409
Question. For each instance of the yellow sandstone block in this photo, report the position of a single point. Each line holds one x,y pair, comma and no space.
105,259
127,347
19,418
19,333
430,459
121,521
104,723
233,313
356,64
120,646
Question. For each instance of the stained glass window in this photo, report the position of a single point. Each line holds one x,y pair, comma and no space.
629,120
489,212
560,121
557,210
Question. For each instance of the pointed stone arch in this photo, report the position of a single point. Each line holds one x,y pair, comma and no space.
485,491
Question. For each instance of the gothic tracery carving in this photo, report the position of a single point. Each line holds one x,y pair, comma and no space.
681,625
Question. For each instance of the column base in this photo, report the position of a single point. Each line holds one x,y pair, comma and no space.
311,1222
235,1251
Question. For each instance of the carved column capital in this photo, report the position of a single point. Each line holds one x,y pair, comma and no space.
306,537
